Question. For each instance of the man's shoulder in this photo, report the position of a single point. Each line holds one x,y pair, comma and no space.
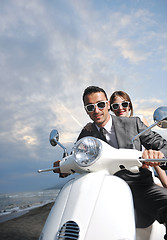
89,127
88,130
134,119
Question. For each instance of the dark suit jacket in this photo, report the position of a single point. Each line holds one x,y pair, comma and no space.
125,130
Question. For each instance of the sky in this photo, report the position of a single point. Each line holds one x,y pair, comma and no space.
50,51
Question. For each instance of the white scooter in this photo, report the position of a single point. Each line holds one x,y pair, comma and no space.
95,205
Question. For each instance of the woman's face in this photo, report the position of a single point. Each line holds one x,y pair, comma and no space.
121,111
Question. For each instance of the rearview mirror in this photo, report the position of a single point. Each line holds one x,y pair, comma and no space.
54,140
54,137
160,116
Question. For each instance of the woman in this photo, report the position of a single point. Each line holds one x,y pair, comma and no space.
121,105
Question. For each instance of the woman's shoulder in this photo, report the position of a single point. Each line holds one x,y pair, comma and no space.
139,115
142,118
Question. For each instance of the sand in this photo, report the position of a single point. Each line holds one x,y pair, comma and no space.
27,226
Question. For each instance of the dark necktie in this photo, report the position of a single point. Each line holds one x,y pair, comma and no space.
102,134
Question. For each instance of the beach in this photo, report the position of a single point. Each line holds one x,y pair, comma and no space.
27,226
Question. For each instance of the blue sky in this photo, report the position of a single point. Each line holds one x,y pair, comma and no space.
50,51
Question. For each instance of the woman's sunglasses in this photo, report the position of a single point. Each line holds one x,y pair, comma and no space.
91,107
115,106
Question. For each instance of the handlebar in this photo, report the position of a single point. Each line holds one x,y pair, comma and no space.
47,170
153,160
141,160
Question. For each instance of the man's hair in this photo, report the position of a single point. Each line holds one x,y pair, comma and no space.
93,89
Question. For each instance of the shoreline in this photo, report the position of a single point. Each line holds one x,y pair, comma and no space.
14,214
27,226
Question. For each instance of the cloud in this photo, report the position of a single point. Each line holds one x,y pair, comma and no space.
50,51
129,52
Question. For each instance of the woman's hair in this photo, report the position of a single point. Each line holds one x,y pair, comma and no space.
123,95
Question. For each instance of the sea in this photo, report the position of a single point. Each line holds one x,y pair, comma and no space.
13,205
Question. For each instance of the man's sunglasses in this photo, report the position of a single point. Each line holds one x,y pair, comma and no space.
91,107
115,106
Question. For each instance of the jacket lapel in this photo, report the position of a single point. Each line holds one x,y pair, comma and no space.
120,131
97,134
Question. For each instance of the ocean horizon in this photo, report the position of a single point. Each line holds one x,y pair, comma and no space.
13,205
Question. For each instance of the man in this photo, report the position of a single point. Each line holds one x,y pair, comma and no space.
149,198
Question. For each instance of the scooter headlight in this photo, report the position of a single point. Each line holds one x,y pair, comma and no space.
87,150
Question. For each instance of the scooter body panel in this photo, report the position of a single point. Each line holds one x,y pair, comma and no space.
99,204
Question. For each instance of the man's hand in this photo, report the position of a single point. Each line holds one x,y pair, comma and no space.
56,164
61,175
148,154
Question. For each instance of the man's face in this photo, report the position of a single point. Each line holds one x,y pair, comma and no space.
99,116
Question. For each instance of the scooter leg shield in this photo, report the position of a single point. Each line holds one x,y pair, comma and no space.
92,206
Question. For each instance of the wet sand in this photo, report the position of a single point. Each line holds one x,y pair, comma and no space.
27,226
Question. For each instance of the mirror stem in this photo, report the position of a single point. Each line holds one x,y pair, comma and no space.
65,150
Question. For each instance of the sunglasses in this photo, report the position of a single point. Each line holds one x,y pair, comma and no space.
115,106
91,107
